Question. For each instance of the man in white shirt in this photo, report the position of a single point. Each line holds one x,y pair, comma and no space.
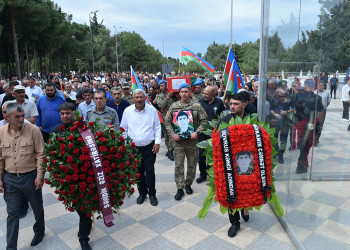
29,107
32,91
87,104
68,87
6,88
346,100
326,100
141,122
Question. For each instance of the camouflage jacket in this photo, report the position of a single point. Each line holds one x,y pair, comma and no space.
199,115
196,97
127,98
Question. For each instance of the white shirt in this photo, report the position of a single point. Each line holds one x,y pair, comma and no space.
326,98
2,97
29,108
143,127
345,93
72,95
35,90
4,122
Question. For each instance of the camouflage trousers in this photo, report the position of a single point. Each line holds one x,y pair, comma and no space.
189,149
169,143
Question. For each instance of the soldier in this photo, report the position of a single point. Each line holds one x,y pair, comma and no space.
127,96
198,90
185,146
161,101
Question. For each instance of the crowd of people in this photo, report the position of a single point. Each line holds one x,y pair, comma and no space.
293,112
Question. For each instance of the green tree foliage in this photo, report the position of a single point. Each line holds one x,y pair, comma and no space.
216,54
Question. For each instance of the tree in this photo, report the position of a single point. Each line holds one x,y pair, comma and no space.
216,55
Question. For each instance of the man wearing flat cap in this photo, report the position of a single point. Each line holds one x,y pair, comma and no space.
308,109
182,114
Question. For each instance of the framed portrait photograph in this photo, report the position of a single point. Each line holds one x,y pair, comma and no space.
245,163
183,123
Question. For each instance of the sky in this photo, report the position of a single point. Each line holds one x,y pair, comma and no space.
194,24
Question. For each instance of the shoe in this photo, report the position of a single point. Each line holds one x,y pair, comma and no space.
179,194
37,239
245,217
141,199
301,170
280,158
85,245
200,179
344,119
171,155
188,189
167,153
335,98
233,230
153,200
23,213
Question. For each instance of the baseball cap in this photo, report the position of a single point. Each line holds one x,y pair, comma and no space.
125,85
19,87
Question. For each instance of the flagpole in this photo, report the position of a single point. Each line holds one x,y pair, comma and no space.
179,61
231,23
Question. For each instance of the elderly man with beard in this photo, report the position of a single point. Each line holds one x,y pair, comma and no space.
85,223
213,106
48,109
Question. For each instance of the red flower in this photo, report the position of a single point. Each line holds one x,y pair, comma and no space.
82,208
132,182
74,128
62,152
110,186
121,166
70,138
60,198
131,155
49,168
122,149
76,170
80,139
60,139
110,157
52,152
76,151
121,202
82,176
90,192
115,175
103,148
68,178
95,199
54,162
70,159
114,165
133,166
113,136
109,178
123,188
70,145
82,196
99,134
55,176
74,165
72,187
117,183
121,138
129,176
62,128
45,160
61,181
91,124
138,175
47,181
122,176
84,169
56,191
84,127
107,170
71,209
127,163
112,150
78,123
88,215
90,179
87,164
75,177
75,201
122,129
132,190
82,157
84,150
132,144
136,161
91,171
102,139
82,186
118,156
63,192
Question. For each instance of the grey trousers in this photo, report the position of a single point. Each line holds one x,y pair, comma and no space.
15,188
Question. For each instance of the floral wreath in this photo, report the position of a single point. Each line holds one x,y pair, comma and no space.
71,172
246,185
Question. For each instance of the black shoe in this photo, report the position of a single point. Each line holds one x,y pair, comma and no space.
167,153
188,189
85,245
335,98
301,170
153,200
233,230
201,178
23,213
280,158
37,239
245,217
171,155
141,199
179,194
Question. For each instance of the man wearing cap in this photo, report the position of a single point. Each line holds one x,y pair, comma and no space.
76,87
32,91
29,107
185,146
198,91
127,96
305,115
161,102
159,77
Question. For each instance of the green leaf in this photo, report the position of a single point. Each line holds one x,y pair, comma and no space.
232,122
254,119
208,132
223,125
223,209
246,120
238,120
203,144
212,124
258,208
202,213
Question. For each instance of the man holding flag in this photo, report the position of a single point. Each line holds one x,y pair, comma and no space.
32,91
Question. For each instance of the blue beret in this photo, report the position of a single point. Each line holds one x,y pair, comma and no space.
198,82
184,85
161,81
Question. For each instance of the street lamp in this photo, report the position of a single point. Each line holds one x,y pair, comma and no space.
92,45
116,46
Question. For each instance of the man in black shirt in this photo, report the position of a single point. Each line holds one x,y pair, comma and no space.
213,106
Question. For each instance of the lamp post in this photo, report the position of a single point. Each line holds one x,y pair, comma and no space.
92,45
116,46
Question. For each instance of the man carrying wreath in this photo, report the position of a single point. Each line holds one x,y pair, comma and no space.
67,116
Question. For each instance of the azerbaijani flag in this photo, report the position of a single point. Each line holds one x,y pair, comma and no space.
188,56
233,80
135,84
35,96
61,94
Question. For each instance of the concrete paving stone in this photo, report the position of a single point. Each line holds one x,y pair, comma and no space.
329,199
3,242
54,211
27,221
159,243
211,223
2,201
129,201
186,235
164,177
26,235
304,220
53,243
277,232
213,242
161,222
140,212
133,235
49,199
346,205
166,200
341,216
198,200
318,242
268,242
289,199
335,231
70,237
259,221
63,223
125,221
184,210
106,243
317,208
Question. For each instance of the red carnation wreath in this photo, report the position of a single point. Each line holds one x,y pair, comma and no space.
71,172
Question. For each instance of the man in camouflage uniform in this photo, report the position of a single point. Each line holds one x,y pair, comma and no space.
164,105
127,96
185,147
198,90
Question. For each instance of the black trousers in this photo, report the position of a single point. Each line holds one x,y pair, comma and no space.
85,224
203,167
334,88
345,110
147,181
15,188
234,219
46,136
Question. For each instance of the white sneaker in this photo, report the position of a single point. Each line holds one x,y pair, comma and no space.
345,119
